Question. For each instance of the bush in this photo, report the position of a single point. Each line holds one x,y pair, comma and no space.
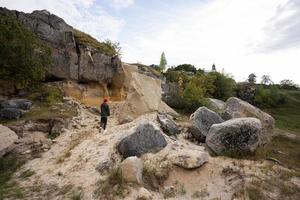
23,57
224,86
266,98
288,84
186,68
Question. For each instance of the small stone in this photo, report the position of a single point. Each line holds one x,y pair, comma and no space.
144,194
169,192
132,170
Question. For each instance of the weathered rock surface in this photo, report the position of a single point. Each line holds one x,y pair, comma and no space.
235,136
201,121
144,194
11,113
132,170
189,158
216,105
145,138
23,104
7,140
236,108
168,125
72,60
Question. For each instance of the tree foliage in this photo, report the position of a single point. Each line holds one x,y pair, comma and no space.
252,78
266,80
163,62
186,68
23,58
288,84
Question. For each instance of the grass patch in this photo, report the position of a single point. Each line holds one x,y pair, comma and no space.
77,194
9,164
113,185
287,116
106,47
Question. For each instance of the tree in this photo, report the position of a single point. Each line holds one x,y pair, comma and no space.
266,80
213,68
252,78
163,62
288,84
186,68
23,57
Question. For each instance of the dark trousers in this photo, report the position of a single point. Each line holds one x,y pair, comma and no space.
103,122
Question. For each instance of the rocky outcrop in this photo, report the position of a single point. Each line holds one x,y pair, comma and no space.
7,140
11,113
168,125
201,121
236,108
146,137
132,170
72,59
235,136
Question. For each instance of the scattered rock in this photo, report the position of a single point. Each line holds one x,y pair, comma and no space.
7,140
126,119
103,166
216,105
169,192
235,136
189,158
201,121
16,103
147,137
144,194
132,170
94,110
11,113
168,125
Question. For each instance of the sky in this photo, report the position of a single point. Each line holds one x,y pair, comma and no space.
238,36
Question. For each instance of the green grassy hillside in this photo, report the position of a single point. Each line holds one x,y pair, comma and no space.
287,116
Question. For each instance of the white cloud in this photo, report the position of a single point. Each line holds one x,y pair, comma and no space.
119,4
224,32
82,14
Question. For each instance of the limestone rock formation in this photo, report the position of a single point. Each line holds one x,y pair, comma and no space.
201,121
146,137
132,170
235,136
8,138
168,125
72,58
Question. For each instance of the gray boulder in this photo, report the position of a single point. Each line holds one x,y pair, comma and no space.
23,104
216,105
235,136
168,125
201,121
7,140
236,108
11,113
147,137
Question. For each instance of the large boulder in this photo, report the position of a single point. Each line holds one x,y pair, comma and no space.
11,113
236,108
132,170
147,137
7,140
168,125
23,104
235,136
201,121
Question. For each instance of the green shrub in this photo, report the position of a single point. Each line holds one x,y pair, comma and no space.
267,98
107,47
23,57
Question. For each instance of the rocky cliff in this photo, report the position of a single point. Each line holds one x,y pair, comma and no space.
73,59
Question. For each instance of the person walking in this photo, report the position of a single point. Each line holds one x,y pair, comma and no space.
105,112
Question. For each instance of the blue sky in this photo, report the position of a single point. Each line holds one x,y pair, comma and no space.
239,36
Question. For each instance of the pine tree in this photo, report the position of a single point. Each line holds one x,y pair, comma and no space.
163,62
